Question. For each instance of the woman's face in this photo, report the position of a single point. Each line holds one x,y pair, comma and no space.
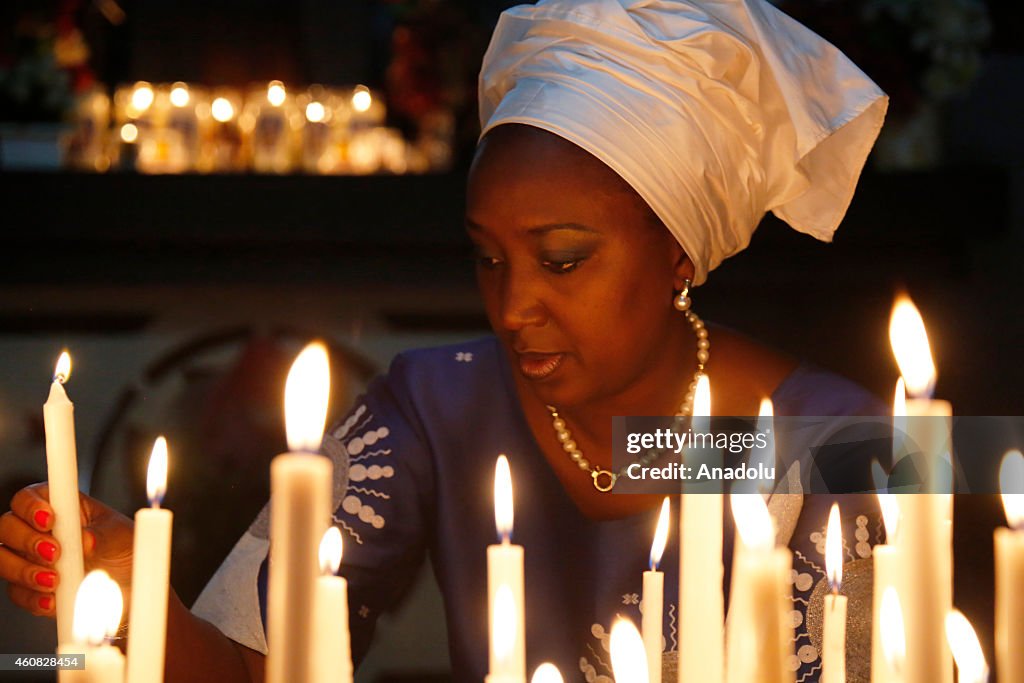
576,273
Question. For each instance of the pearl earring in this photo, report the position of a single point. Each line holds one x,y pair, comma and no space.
683,301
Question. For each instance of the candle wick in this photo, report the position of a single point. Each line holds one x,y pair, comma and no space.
60,378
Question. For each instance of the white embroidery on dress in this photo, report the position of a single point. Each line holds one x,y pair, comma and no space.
371,454
631,599
364,611
862,535
464,357
346,527
672,627
344,429
360,475
810,673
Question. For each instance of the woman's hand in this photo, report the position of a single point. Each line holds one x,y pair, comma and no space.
28,550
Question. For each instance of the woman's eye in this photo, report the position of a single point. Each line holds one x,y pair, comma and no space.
485,261
562,266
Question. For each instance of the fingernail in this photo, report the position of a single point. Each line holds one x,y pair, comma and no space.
46,579
42,518
45,603
46,550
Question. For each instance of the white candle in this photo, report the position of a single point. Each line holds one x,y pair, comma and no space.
654,598
833,656
300,490
629,661
97,615
886,570
1009,549
151,570
963,641
701,603
760,630
893,634
332,650
505,569
925,583
62,476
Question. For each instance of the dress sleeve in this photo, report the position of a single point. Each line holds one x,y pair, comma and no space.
382,502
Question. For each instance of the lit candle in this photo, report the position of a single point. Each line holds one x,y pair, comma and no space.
886,571
62,477
833,657
151,569
629,661
332,650
1010,573
760,630
970,660
300,495
894,635
505,573
701,603
926,581
654,596
547,673
98,607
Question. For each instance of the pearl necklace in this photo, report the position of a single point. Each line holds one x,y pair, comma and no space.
604,480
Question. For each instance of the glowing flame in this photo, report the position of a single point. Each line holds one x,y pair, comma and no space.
305,398
702,397
129,133
330,551
503,630
156,477
886,501
315,112
909,342
222,110
362,99
894,640
180,95
963,641
63,370
1011,483
547,673
276,93
660,536
753,521
98,608
765,456
899,399
142,97
629,661
834,549
503,512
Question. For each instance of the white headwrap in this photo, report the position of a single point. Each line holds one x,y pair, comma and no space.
714,112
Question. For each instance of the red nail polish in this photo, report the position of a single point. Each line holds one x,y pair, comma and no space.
46,579
45,603
42,518
46,550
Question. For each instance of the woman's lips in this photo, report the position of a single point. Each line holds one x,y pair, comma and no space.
538,366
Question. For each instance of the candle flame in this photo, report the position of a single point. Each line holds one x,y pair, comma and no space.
503,512
180,95
547,673
753,521
834,549
305,398
764,456
629,660
503,630
129,132
63,370
330,551
899,398
1011,483
660,535
894,641
156,476
98,608
142,97
222,109
909,342
361,99
276,93
702,397
963,641
886,501
315,112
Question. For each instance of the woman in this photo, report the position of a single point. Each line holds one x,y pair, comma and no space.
628,148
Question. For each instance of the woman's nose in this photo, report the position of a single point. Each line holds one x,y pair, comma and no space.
521,301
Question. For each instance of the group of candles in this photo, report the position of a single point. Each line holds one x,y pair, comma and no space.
180,128
916,632
914,624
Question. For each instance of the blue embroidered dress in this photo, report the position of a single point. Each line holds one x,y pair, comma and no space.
419,449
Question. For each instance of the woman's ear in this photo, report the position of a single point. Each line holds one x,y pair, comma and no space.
684,270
